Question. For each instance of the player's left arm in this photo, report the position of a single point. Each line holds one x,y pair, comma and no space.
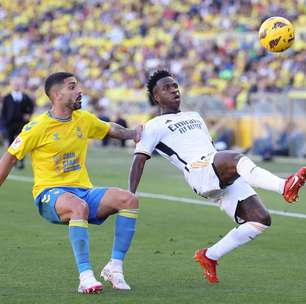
119,132
7,162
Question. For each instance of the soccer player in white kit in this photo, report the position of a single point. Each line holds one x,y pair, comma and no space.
226,177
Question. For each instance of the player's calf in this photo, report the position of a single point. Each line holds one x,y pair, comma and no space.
208,257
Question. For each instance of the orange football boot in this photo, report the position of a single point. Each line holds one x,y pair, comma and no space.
293,184
208,265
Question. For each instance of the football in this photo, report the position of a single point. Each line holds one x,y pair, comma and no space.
276,34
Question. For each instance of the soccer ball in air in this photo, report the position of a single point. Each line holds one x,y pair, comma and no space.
276,34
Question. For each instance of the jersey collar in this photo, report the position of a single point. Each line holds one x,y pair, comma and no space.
58,118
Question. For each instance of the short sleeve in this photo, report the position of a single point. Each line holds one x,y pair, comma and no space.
97,127
150,137
26,141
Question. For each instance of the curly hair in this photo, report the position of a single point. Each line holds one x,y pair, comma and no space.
151,83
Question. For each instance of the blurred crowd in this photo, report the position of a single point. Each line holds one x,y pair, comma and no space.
290,141
212,46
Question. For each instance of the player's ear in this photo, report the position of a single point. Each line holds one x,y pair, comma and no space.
55,92
155,96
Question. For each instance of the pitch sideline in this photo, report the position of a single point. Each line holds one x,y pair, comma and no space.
174,199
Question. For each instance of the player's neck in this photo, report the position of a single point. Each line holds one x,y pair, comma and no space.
168,111
59,114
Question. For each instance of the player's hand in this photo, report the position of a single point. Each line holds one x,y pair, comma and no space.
138,133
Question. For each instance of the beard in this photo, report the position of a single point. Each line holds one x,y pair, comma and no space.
76,105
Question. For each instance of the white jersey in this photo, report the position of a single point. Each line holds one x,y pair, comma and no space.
184,140
181,138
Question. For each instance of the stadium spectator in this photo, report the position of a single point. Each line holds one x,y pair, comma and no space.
121,122
17,108
290,142
216,35
264,146
104,117
296,142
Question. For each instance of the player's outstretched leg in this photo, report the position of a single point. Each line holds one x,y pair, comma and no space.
257,220
125,227
257,176
208,257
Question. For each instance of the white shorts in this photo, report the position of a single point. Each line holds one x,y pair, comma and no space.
204,181
231,195
201,176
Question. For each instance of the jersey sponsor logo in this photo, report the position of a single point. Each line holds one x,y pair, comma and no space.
66,162
71,162
16,143
185,125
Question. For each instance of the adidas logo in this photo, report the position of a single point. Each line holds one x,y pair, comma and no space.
167,121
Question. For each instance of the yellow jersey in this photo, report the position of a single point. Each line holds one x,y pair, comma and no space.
58,148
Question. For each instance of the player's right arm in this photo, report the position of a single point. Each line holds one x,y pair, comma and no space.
150,137
136,171
7,162
26,141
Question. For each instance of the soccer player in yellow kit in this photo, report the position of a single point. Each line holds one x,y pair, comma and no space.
57,141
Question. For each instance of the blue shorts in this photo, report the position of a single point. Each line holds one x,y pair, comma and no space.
45,202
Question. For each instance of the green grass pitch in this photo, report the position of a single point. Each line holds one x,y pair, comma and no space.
36,261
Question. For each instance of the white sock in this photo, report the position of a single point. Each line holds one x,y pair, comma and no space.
117,264
259,177
235,238
86,274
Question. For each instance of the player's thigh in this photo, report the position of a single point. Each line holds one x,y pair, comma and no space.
231,197
225,163
68,206
252,209
94,199
58,206
114,200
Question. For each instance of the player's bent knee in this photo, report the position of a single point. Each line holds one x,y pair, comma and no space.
237,156
266,219
130,201
80,210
